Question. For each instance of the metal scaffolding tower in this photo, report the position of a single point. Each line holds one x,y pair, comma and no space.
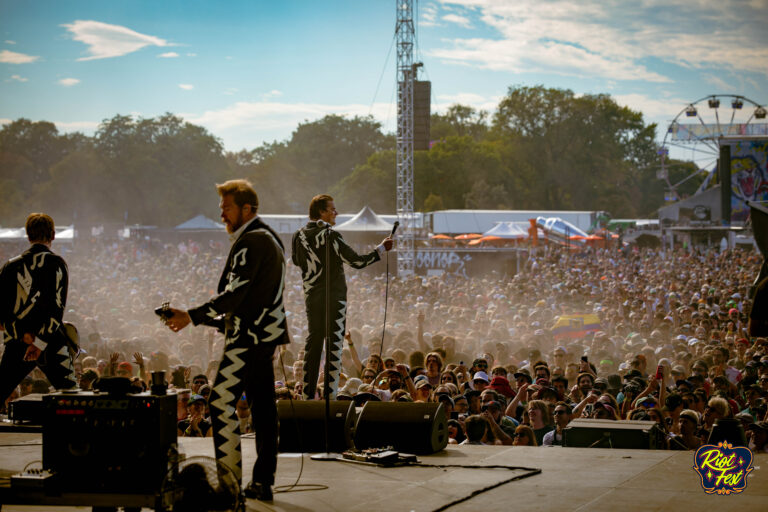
406,72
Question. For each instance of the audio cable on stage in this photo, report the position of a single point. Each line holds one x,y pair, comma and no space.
528,472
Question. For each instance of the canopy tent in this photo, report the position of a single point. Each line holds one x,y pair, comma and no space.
200,222
66,233
507,230
485,239
10,234
366,221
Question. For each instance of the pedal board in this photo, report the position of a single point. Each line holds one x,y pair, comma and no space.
36,479
382,456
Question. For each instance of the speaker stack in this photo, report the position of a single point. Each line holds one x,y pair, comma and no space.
412,427
302,425
419,428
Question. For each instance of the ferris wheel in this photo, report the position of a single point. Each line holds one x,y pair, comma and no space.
695,133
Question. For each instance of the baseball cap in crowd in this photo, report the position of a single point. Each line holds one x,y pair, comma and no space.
125,366
351,387
197,398
760,425
524,373
491,404
691,415
361,398
481,375
423,383
445,397
501,385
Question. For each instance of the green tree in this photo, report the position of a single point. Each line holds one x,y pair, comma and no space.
371,184
572,152
459,120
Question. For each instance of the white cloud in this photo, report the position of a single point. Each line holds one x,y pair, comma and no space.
429,16
68,82
470,99
9,57
717,82
5,121
105,40
231,90
186,87
459,20
247,124
17,78
652,108
8,41
274,93
191,55
595,38
168,55
77,126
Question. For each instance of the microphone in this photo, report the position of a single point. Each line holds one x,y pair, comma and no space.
394,228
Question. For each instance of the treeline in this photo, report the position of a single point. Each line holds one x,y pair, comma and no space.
541,149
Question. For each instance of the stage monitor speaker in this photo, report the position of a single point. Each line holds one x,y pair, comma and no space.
411,427
594,433
302,425
102,443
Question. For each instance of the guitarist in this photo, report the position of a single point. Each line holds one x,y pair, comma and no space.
249,310
33,294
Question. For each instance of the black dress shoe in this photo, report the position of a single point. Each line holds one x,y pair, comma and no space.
257,491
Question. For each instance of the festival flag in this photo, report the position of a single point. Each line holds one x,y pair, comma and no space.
576,326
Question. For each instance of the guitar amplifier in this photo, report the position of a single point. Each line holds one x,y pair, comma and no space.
108,443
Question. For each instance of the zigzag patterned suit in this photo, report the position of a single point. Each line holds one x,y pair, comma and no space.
249,310
33,293
309,255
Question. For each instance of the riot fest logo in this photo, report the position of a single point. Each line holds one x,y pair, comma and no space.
723,469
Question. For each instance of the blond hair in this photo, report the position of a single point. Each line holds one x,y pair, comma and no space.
242,192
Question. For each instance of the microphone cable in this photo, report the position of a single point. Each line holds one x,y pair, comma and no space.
386,296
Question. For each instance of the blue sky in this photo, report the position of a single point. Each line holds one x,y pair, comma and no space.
250,71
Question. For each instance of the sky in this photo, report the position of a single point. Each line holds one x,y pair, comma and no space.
250,71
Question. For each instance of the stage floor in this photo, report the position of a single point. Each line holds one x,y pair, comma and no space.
571,479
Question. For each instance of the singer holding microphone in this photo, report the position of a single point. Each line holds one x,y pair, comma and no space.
324,281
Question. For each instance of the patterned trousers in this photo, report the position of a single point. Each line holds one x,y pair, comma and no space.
316,341
245,367
54,361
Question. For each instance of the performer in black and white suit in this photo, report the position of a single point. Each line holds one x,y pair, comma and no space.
33,293
249,310
309,248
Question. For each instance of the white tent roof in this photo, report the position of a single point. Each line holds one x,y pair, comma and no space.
68,233
200,222
12,233
365,221
506,230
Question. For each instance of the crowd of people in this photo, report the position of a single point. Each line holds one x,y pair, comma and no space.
671,345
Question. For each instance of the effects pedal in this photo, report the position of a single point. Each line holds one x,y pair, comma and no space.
36,479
